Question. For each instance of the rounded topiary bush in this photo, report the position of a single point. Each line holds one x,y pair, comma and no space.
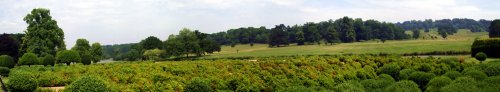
453,74
7,61
22,82
425,67
350,86
391,69
86,58
28,59
197,85
476,74
403,86
421,78
4,71
481,56
405,74
461,84
88,84
48,60
439,82
492,69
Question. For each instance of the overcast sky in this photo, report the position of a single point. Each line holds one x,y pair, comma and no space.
129,21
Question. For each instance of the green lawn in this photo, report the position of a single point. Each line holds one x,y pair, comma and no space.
460,41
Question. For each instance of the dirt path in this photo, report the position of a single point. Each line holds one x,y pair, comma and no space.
55,89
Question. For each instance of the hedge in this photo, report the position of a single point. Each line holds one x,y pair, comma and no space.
489,46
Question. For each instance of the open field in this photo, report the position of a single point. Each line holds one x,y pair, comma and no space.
460,41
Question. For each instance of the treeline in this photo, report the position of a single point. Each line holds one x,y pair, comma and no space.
459,23
332,31
186,43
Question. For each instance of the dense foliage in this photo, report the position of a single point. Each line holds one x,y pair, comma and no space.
309,73
48,60
481,56
43,35
495,29
4,71
460,23
332,31
28,59
7,61
490,47
9,46
68,57
22,82
88,84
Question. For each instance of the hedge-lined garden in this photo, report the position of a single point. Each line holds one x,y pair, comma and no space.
349,73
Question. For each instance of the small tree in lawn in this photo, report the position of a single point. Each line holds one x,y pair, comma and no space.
67,56
48,60
28,59
96,51
481,56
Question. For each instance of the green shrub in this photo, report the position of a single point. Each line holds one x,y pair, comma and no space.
197,85
22,82
492,69
391,69
481,56
86,58
28,59
453,74
48,60
490,47
493,80
4,71
67,57
350,86
403,86
7,61
425,67
490,84
476,74
88,84
439,81
421,78
405,74
461,84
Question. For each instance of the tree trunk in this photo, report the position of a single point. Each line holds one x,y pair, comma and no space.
68,63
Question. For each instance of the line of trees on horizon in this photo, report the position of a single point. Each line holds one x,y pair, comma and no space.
480,25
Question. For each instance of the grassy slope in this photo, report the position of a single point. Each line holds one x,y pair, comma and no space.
458,42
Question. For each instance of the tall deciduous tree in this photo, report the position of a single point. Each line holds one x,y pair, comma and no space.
416,33
96,51
82,46
494,29
68,56
278,36
345,27
28,59
43,36
446,29
332,35
151,43
300,38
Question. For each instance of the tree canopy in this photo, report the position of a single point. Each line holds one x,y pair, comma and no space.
9,46
43,35
495,29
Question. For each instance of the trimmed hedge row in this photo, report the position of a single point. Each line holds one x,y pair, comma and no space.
489,46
